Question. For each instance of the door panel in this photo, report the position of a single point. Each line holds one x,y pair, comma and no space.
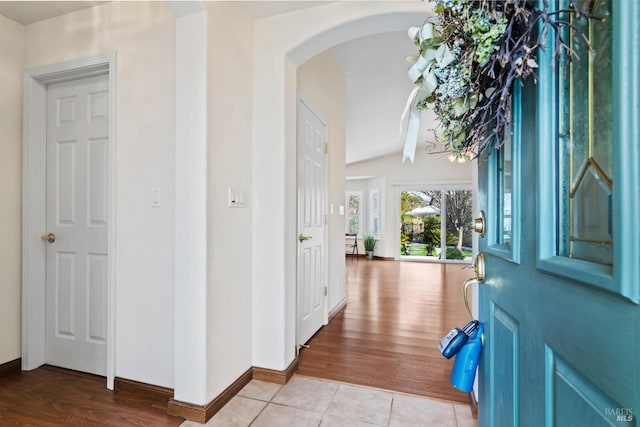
65,286
561,346
77,204
312,137
97,181
576,401
97,289
505,370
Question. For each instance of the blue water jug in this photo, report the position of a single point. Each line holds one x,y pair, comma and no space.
464,367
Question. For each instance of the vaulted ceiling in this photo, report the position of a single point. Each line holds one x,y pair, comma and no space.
375,70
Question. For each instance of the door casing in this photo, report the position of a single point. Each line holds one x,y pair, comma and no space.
35,82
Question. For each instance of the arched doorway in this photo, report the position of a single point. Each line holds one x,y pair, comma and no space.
281,43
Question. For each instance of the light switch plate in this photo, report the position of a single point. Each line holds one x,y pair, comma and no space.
236,198
155,198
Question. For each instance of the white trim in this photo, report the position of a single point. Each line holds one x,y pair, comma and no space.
34,206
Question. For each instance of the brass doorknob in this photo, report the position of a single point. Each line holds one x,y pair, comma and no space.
302,238
478,267
479,224
49,237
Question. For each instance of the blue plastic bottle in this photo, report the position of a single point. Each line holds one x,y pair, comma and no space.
464,367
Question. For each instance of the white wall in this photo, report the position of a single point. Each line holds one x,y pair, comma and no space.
191,176
230,230
321,83
251,270
433,170
11,65
143,36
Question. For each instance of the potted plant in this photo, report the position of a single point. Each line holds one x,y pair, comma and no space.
369,245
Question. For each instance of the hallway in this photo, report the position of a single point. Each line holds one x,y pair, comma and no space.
388,334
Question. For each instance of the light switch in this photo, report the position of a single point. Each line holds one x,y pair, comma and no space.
155,198
236,198
341,210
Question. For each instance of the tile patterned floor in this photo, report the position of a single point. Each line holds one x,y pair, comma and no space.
312,402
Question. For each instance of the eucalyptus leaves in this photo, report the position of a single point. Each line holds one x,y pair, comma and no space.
470,54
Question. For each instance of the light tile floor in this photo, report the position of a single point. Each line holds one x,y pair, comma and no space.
313,402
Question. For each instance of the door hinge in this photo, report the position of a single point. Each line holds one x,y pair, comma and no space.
324,219
326,291
326,148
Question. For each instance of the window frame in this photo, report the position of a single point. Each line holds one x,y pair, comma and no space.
375,214
511,252
622,278
348,195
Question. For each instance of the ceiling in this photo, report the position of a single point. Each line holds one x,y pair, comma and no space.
374,67
375,70
28,12
267,8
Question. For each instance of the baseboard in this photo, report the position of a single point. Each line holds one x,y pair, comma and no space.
363,256
384,258
124,384
337,309
274,376
202,413
474,405
11,367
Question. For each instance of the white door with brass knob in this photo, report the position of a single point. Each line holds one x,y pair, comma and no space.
76,225
312,264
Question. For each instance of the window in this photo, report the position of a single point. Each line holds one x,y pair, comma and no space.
585,143
503,160
435,224
353,220
374,213
583,149
504,189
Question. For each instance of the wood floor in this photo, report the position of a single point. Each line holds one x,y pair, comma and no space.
50,396
388,335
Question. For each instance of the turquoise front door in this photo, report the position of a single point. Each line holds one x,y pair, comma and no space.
562,245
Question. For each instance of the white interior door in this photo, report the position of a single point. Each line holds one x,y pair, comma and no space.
312,137
77,212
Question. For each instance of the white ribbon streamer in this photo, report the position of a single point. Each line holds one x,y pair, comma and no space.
412,134
421,73
413,125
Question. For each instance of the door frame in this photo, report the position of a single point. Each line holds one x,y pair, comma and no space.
325,248
35,82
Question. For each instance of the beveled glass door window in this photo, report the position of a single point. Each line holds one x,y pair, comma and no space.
504,188
586,140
